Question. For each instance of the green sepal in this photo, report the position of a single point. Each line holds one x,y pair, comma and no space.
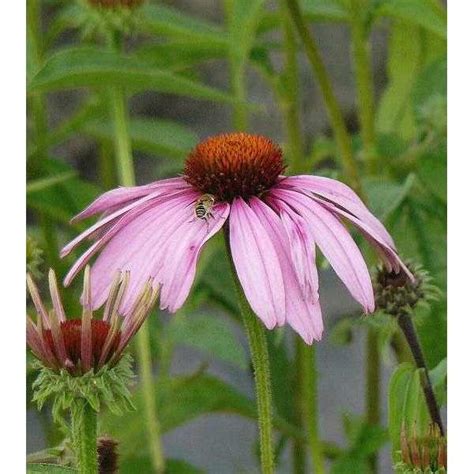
108,386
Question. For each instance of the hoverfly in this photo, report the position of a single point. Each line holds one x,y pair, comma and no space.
203,207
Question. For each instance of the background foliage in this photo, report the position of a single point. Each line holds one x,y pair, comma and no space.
73,67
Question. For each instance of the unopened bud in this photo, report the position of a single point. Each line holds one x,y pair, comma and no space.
396,293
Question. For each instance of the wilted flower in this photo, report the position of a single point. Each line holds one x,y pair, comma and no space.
158,230
423,454
81,345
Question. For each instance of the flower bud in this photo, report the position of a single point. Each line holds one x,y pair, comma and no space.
423,454
396,293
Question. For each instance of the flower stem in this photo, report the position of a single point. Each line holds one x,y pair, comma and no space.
261,366
309,398
372,394
333,108
126,174
406,325
364,82
84,432
290,94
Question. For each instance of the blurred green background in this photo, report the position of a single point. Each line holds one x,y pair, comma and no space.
194,68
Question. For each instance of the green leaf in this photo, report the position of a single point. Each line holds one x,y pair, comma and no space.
364,440
433,172
430,96
160,137
49,468
438,377
244,17
45,183
394,113
385,196
179,55
332,10
210,334
406,404
65,199
168,21
179,400
92,67
428,14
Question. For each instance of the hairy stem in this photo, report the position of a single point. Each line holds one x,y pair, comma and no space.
364,83
261,366
372,381
406,325
126,174
333,109
309,396
84,431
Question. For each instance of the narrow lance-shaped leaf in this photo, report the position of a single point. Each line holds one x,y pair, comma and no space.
93,67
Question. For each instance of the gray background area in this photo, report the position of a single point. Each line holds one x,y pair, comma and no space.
222,443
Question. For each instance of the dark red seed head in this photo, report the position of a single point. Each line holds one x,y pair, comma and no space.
71,332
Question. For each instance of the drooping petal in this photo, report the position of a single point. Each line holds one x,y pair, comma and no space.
257,264
302,311
122,223
183,255
388,253
137,247
303,250
336,244
124,195
342,197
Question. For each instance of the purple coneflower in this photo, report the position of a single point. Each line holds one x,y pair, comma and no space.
158,230
81,345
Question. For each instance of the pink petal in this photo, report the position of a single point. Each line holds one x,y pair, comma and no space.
302,313
388,253
138,246
119,224
342,196
109,219
336,244
179,266
123,195
303,250
257,264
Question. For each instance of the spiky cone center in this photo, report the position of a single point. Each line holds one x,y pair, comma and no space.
114,4
72,334
396,294
234,165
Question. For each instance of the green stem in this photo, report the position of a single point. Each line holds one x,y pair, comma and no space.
126,174
290,95
240,115
334,111
261,366
372,380
309,402
364,83
237,67
84,431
